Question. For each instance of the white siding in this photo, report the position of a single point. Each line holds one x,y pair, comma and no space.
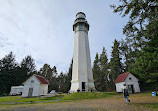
81,71
27,85
119,86
133,81
43,89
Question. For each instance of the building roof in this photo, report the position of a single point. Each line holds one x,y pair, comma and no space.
121,77
41,79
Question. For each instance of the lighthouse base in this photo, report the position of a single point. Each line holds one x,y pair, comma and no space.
82,87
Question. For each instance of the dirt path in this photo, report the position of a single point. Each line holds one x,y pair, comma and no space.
108,104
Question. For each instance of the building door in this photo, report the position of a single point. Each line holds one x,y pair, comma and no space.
130,89
30,92
83,86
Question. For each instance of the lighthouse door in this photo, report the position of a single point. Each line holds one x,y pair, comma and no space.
83,86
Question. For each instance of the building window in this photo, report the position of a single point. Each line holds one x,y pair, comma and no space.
130,78
32,81
81,27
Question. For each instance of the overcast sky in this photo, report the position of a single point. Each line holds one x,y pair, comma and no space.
43,29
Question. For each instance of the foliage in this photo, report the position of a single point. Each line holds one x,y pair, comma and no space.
13,74
115,64
97,73
104,70
61,82
26,69
50,74
127,55
7,73
142,38
68,78
140,14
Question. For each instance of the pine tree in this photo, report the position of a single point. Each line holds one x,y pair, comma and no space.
128,56
62,82
54,81
8,75
69,77
97,73
115,64
27,68
104,70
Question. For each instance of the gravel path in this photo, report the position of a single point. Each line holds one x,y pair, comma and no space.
108,104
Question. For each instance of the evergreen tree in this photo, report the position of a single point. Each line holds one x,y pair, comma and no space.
97,73
115,64
69,77
8,75
27,68
62,82
104,70
54,82
128,56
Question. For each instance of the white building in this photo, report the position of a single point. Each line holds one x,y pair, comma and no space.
130,80
35,86
16,90
82,77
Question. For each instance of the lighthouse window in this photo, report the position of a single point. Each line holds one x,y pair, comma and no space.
81,27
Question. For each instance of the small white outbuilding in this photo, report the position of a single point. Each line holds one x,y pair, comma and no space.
16,90
130,80
35,86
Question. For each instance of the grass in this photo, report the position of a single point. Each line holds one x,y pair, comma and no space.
39,99
151,105
87,95
9,98
20,99
147,94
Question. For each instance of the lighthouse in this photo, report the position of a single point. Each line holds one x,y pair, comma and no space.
82,76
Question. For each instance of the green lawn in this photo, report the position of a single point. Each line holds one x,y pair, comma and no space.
20,99
87,95
39,99
9,98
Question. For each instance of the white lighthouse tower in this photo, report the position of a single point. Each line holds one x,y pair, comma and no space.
82,77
